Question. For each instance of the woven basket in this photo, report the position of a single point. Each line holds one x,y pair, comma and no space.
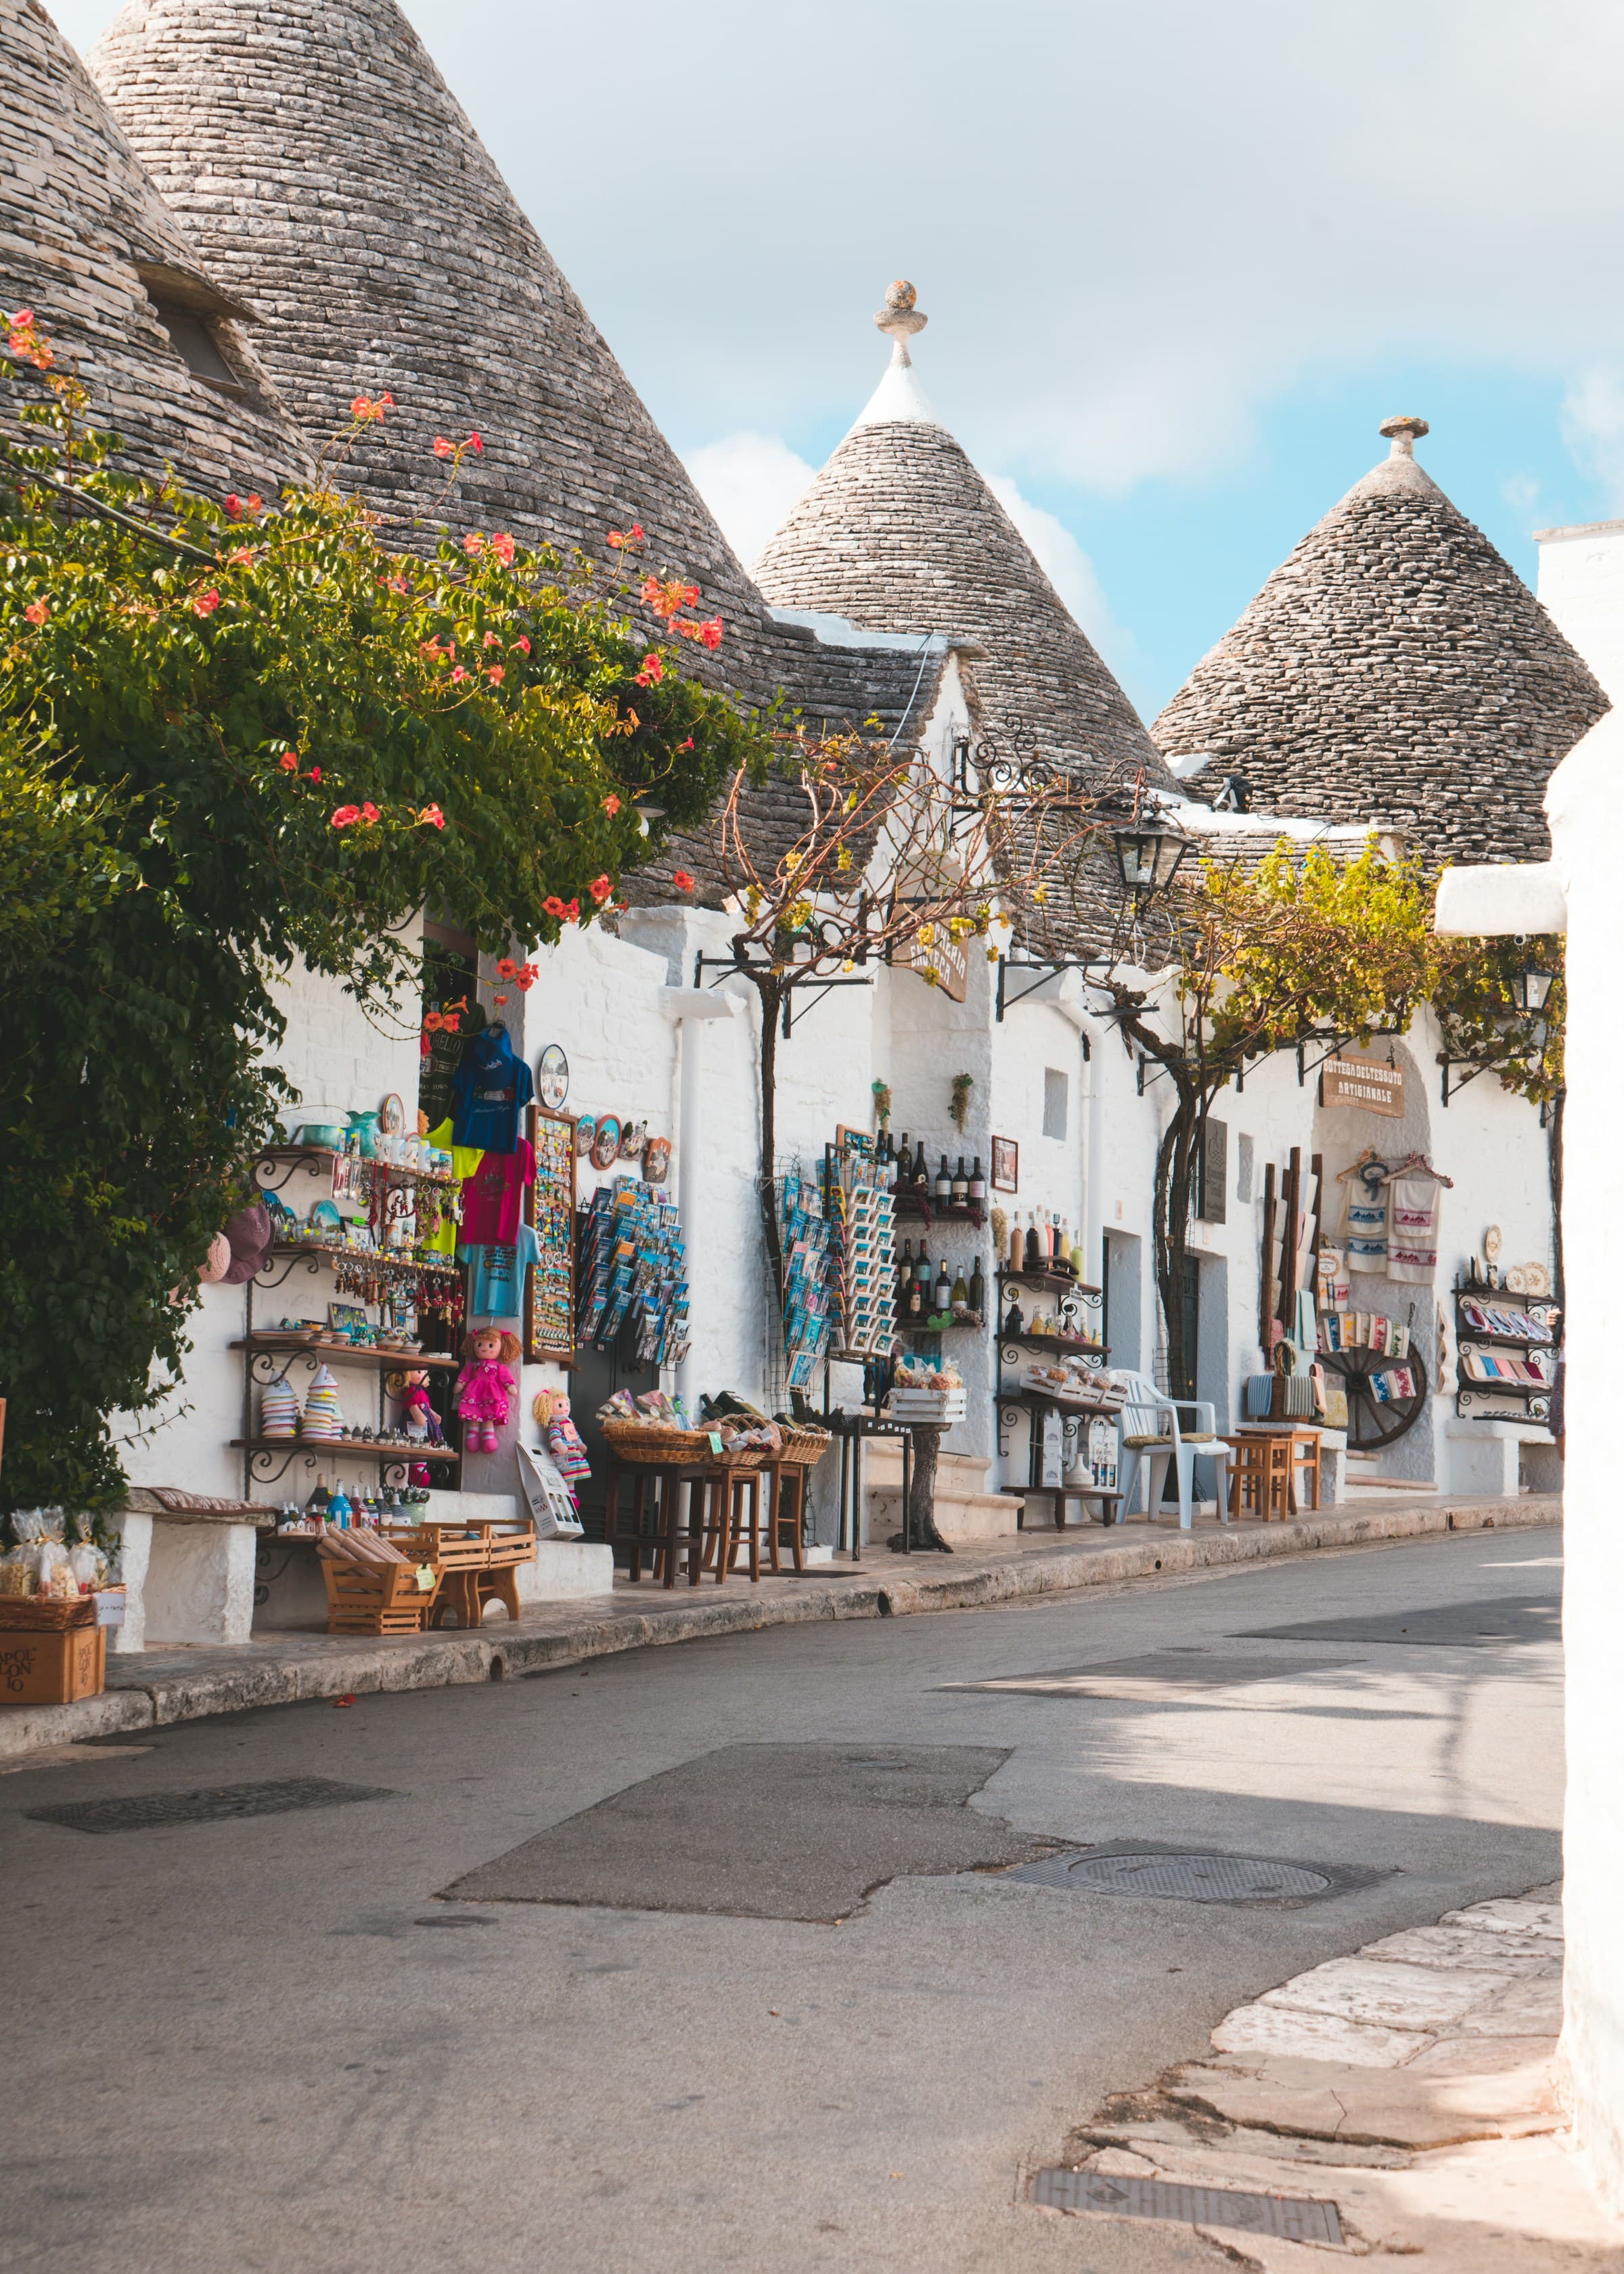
804,1447
746,1457
655,1444
46,1614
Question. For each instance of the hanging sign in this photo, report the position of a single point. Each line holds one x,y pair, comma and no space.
942,960
1369,1083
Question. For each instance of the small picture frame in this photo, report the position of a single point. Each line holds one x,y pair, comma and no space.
392,1116
1005,1165
347,1320
606,1143
656,1160
586,1135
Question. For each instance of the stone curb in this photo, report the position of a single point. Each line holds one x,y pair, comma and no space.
888,1588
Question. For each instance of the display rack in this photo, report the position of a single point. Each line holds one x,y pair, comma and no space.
550,1211
1505,1339
1013,1402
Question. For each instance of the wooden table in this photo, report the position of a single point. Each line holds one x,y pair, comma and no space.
1287,1436
476,1568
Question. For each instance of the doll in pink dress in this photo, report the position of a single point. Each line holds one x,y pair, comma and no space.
417,1418
485,1386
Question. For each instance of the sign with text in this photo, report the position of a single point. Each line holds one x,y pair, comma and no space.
1369,1083
942,960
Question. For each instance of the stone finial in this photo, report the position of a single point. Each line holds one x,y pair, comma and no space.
900,318
1404,432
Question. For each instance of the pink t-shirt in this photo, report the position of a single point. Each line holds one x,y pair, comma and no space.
492,1197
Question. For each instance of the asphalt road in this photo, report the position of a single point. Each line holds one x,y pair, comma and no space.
277,2043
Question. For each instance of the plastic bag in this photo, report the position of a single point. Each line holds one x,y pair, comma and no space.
16,1572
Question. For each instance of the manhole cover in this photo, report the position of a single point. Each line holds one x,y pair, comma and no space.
141,1812
1294,2218
1188,1879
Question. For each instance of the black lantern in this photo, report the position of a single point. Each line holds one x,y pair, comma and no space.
1149,853
1530,989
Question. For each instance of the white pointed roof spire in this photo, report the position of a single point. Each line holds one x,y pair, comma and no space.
898,398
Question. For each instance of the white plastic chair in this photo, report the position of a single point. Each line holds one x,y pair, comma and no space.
1150,1432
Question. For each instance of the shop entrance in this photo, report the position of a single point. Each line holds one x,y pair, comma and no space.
597,1376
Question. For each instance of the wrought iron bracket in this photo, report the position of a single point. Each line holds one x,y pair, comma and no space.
1049,967
814,989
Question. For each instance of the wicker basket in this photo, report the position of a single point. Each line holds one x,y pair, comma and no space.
46,1614
654,1443
803,1447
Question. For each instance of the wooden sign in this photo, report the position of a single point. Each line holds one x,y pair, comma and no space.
1369,1083
943,962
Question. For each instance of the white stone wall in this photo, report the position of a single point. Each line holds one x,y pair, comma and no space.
1582,585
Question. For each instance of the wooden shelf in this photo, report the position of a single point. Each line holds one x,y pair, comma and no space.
1037,1399
311,1154
1067,1345
1500,1342
1040,1277
344,1449
941,1322
349,1353
381,1259
912,1207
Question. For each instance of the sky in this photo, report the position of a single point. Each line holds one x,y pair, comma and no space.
1179,261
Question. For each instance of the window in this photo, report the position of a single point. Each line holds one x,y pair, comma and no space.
1212,1168
192,338
1054,1102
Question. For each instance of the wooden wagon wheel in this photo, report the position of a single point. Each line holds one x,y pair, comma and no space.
1373,1422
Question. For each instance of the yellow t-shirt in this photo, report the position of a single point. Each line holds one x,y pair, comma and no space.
464,1160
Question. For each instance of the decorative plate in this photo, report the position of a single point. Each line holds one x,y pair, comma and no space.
586,1131
633,1136
1535,1279
552,1078
1516,1280
392,1116
606,1144
1492,1243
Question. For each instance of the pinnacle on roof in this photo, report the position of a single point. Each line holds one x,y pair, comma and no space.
1394,669
86,242
899,533
324,164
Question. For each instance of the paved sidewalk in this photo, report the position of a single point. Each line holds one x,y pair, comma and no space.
1414,2086
166,1684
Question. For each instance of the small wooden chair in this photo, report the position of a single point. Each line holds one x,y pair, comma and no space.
1261,1483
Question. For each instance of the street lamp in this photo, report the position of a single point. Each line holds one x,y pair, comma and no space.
1149,853
1530,989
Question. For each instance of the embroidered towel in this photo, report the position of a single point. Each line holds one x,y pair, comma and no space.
1366,1227
1412,1228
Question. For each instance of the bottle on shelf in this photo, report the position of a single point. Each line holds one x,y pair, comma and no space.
978,1291
338,1509
1035,1251
961,1186
944,1184
960,1296
921,1269
1015,1240
902,1168
978,1182
905,1272
921,1173
943,1292
916,1299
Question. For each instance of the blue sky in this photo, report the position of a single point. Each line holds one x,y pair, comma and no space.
1179,261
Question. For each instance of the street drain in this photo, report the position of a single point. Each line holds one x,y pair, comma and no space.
213,1804
1293,2218
1186,1879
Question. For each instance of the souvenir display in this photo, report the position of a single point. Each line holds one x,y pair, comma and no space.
809,1297
552,1078
606,1143
549,1311
279,1410
489,1092
586,1135
656,1160
323,1419
632,1273
485,1386
863,1248
633,1136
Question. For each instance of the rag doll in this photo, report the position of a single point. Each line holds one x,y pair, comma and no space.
551,1408
485,1386
417,1418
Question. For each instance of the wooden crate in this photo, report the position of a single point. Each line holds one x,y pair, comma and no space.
38,1668
375,1599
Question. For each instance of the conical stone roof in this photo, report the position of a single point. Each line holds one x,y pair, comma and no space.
324,164
86,243
1393,668
899,533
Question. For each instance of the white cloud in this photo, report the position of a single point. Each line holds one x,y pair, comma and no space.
1593,428
750,482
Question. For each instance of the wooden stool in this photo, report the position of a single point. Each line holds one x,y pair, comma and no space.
782,1522
1262,1475
736,1486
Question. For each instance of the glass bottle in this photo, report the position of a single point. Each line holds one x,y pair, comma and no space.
922,1172
961,1186
944,1182
1035,1251
961,1298
902,1168
943,1292
978,1182
978,1291
1015,1240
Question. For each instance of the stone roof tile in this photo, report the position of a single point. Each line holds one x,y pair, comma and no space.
1394,668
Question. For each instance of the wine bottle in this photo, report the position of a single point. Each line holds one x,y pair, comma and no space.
961,1186
1034,1247
922,1171
921,1270
978,1291
902,1168
905,1272
916,1299
978,1183
960,1295
944,1182
943,1292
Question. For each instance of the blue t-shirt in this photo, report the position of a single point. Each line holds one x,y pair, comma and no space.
496,1280
489,1091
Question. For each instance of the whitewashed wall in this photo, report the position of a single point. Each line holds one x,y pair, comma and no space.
1581,583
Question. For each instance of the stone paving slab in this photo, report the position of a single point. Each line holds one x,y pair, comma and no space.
166,1684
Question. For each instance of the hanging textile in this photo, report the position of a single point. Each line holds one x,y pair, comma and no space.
1364,1228
1413,1199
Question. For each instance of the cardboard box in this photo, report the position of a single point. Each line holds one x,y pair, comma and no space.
52,1669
